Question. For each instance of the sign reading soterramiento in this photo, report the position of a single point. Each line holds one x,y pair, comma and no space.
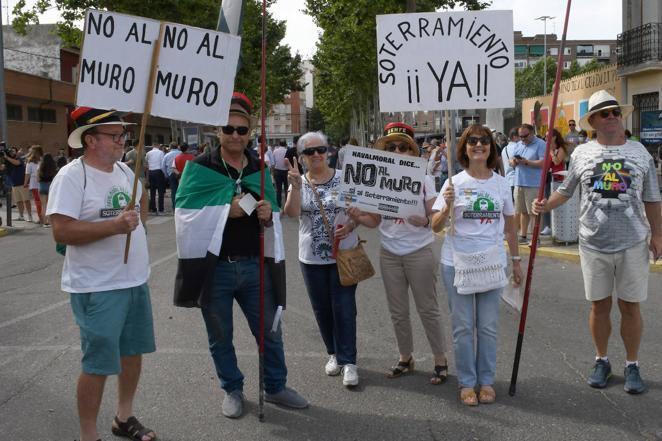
195,76
383,183
446,60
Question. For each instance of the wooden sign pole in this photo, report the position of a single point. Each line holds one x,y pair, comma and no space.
143,125
450,144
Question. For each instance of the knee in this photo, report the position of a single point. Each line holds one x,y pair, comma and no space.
630,309
601,307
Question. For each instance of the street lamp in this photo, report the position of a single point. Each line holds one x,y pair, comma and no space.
544,18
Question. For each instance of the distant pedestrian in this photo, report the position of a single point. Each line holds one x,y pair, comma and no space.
620,221
15,166
280,171
157,178
32,178
168,166
47,171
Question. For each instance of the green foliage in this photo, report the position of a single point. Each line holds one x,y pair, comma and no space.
283,70
316,120
345,62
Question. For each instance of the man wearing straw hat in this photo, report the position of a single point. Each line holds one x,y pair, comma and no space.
110,300
620,199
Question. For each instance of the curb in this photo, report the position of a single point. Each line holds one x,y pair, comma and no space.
3,232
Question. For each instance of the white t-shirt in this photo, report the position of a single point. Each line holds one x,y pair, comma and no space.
32,169
314,244
478,212
399,236
93,195
155,159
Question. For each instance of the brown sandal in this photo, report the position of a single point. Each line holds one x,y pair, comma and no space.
132,429
468,396
403,367
439,374
487,395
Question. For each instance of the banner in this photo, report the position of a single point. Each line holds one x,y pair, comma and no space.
445,60
651,127
384,183
195,76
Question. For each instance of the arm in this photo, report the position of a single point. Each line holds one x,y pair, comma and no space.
655,221
144,207
547,205
510,230
536,163
293,203
70,231
359,217
439,218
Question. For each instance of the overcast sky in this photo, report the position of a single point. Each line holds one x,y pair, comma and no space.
588,19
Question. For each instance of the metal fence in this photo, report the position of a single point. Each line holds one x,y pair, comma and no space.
640,45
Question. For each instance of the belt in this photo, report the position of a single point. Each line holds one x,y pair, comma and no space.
236,258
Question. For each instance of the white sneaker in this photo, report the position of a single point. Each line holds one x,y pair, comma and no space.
350,375
332,369
546,231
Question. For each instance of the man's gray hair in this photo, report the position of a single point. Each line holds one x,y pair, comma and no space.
319,135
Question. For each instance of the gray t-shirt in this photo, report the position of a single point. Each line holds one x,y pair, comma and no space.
615,182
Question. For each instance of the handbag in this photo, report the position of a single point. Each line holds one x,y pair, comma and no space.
479,272
353,264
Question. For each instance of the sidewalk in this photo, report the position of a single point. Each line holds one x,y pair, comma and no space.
17,225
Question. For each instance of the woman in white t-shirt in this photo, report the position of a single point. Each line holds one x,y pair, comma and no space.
32,178
334,305
482,212
407,261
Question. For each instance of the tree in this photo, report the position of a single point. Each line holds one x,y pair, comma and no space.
346,71
284,71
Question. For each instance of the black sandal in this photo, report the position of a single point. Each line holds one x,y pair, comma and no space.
403,367
439,374
132,429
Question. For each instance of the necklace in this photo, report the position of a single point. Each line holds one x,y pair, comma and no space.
237,183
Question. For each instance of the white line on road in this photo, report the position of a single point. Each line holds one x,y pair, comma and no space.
158,220
66,302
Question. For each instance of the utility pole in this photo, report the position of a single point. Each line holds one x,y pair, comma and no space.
3,107
544,19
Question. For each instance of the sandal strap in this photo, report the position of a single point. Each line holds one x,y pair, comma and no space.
134,428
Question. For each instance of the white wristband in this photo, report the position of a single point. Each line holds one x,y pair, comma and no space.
515,258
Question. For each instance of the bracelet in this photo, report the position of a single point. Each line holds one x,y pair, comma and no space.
428,222
516,258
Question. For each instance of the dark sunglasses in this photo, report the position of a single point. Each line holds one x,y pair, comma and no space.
229,130
605,113
402,147
572,124
310,151
484,140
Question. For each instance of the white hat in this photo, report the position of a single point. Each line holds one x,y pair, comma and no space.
602,100
87,117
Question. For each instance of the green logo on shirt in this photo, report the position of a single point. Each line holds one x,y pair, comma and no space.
117,198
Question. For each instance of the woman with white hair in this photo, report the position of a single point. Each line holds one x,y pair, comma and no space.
323,226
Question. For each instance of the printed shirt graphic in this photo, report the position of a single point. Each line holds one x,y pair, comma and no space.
314,244
92,195
478,214
614,182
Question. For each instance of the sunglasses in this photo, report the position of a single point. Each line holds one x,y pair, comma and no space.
310,151
484,140
229,130
402,147
117,137
572,124
605,113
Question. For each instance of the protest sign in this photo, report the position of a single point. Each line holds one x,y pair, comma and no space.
651,127
385,183
195,76
448,60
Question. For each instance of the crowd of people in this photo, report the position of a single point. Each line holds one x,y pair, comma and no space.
220,215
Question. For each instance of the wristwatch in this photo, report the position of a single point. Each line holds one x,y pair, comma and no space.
516,258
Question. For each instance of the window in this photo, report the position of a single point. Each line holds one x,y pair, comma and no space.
520,49
41,115
148,139
520,64
553,51
567,64
160,139
14,112
537,50
585,50
642,103
567,51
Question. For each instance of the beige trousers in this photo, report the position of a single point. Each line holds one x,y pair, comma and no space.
417,270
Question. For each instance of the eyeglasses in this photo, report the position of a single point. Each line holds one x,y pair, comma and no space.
572,124
229,130
401,147
117,137
605,113
310,151
484,140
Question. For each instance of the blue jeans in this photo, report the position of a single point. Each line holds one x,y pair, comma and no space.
241,281
473,314
174,183
334,306
156,182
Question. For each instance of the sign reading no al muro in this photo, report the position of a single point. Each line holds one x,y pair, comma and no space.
449,60
384,183
195,75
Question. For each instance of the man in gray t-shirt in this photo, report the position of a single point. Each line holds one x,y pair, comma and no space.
620,209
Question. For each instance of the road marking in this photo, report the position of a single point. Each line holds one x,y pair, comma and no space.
159,220
66,302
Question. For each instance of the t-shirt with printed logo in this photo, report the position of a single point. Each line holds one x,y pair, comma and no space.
480,205
88,194
614,181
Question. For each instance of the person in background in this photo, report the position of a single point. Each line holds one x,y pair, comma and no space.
156,176
507,153
482,212
572,138
15,168
280,168
559,154
47,171
169,165
32,178
181,160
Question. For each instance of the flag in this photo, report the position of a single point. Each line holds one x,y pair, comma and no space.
231,19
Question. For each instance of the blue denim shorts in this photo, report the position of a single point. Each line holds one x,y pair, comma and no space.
113,324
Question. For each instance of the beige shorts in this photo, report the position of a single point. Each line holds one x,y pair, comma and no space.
627,271
524,197
20,194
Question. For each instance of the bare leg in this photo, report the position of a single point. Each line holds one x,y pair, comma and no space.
600,324
127,383
631,328
21,208
89,394
524,224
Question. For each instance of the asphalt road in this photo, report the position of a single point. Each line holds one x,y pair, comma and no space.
180,397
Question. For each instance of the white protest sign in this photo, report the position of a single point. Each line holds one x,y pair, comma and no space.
384,183
445,60
195,76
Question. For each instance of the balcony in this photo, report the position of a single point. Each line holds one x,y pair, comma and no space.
640,49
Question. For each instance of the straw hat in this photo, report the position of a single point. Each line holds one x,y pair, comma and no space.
602,100
397,131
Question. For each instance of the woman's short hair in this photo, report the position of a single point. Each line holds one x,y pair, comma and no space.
303,139
476,130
